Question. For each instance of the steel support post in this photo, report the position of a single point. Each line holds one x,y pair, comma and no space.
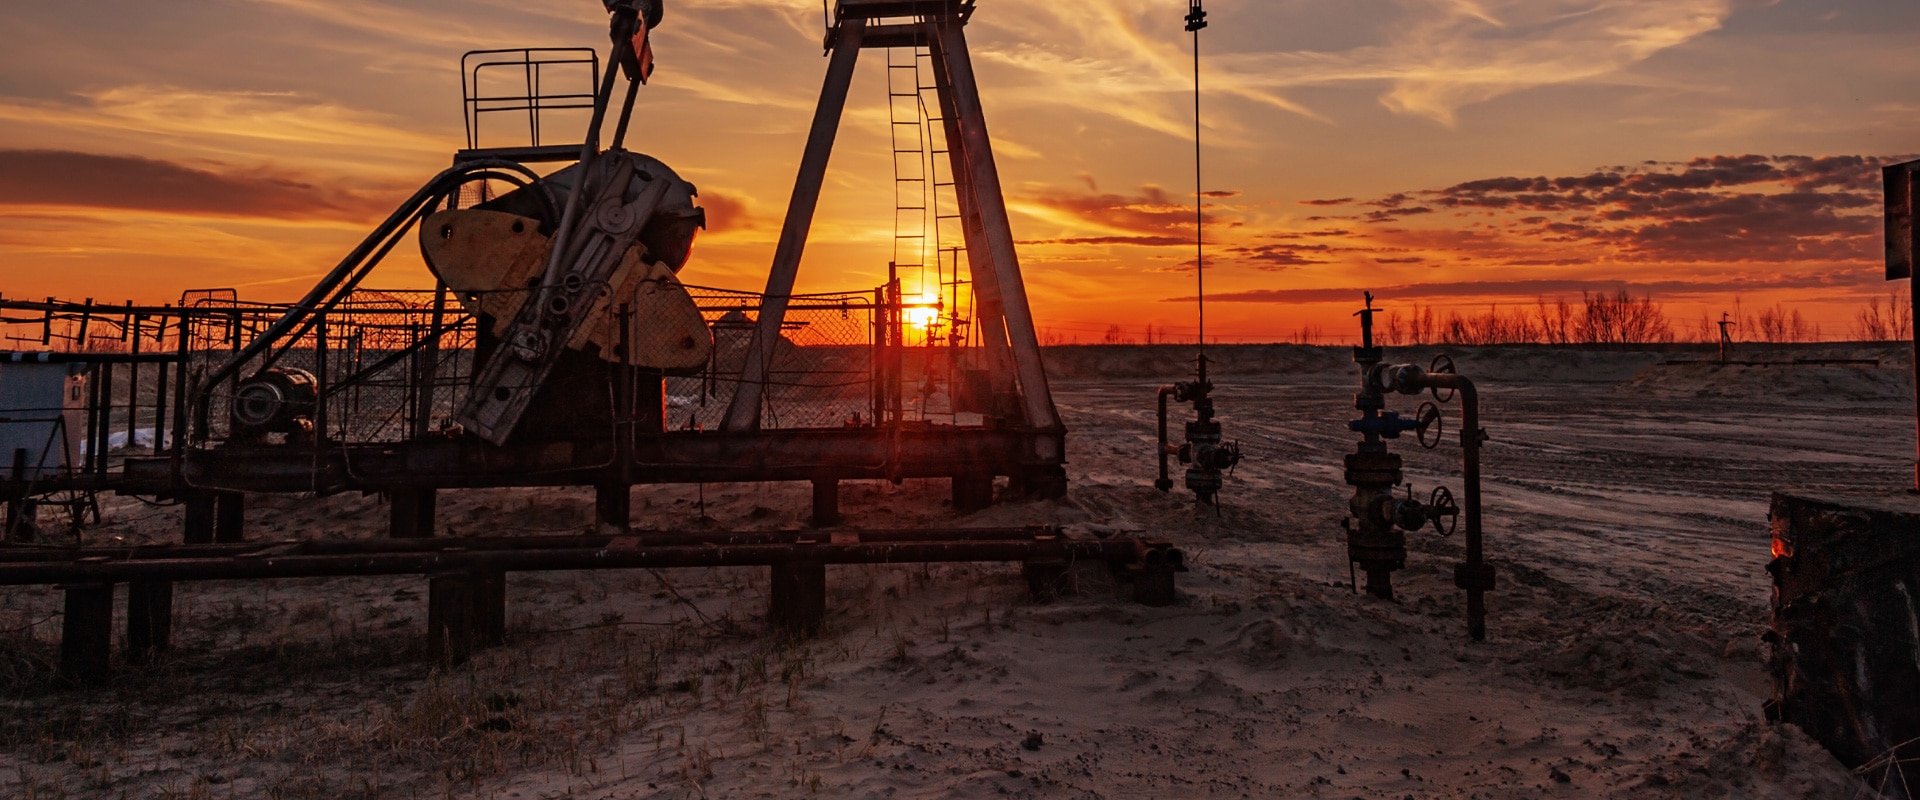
982,179
612,508
489,588
743,413
797,603
410,512
1153,583
229,517
826,502
22,513
972,492
149,619
86,633
450,604
198,517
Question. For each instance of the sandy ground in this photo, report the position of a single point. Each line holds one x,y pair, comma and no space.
1626,506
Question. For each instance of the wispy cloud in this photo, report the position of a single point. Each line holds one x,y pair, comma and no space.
225,121
1433,58
1527,291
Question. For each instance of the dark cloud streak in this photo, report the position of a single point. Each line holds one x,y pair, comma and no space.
1528,290
91,180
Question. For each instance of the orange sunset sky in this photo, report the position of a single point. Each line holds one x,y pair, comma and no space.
1445,152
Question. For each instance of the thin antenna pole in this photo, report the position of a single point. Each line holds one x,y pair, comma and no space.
1197,19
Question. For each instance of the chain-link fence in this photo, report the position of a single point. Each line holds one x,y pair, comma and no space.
821,374
384,375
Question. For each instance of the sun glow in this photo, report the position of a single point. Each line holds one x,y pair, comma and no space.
920,311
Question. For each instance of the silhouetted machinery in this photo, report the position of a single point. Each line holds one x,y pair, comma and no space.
1208,457
1206,454
575,316
554,347
1381,516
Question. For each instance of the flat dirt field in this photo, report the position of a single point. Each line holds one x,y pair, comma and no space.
1626,513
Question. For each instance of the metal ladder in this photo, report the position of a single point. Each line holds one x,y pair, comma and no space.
906,115
924,186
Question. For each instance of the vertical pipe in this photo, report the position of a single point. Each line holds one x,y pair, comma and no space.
1164,482
180,388
1470,438
436,325
93,418
1913,302
160,392
106,418
1196,19
133,383
1473,575
877,359
320,390
896,348
743,413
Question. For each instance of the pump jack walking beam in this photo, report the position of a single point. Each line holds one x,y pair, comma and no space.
937,25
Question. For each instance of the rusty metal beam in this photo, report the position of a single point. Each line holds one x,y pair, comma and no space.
89,572
988,322
561,559
982,178
848,10
492,543
672,457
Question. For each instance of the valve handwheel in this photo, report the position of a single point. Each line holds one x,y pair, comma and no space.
1441,506
1428,422
1442,365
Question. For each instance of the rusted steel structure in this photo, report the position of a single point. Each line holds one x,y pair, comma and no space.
559,347
1377,530
1844,629
467,600
1902,229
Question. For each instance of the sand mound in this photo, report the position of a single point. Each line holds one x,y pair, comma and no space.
1173,362
1850,382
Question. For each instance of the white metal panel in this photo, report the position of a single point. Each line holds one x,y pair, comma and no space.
42,413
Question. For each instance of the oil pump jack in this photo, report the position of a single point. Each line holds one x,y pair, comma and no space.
569,281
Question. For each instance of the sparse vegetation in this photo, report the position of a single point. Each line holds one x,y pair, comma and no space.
1600,318
1881,323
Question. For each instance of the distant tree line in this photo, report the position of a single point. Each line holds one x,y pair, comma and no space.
1599,318
1617,317
1880,323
